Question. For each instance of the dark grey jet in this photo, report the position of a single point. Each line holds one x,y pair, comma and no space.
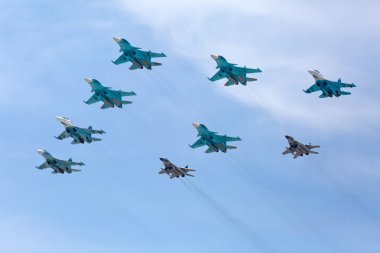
298,149
173,170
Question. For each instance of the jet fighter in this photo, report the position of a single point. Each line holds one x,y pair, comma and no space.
106,95
298,149
328,88
58,166
79,134
137,57
212,140
234,74
173,170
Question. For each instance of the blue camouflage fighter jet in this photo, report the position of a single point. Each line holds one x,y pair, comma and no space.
212,140
109,97
234,74
80,135
328,88
58,166
137,57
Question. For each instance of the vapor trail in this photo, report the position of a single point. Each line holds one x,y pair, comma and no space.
242,227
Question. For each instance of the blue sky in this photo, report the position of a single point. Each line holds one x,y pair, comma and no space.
252,199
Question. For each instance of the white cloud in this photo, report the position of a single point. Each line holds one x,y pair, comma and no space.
284,38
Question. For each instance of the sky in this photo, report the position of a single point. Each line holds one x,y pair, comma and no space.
251,199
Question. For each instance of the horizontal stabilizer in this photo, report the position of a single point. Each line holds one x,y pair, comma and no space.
345,93
249,79
75,170
231,147
156,64
133,67
96,139
126,102
105,106
209,150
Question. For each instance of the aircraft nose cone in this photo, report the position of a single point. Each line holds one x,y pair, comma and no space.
40,151
214,56
88,80
60,119
116,39
287,136
161,159
196,125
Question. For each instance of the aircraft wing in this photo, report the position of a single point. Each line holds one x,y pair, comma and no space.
127,93
45,165
312,146
63,135
313,88
217,76
76,163
198,143
155,55
287,151
92,99
228,138
345,85
121,59
97,131
248,70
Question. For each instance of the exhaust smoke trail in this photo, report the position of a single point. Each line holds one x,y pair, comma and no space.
242,227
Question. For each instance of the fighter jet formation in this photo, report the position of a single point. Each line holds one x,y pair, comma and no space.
297,148
80,135
109,97
212,140
173,170
137,57
328,88
235,75
143,59
58,166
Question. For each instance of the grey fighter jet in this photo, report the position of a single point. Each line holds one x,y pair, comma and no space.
58,166
173,170
80,135
298,149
